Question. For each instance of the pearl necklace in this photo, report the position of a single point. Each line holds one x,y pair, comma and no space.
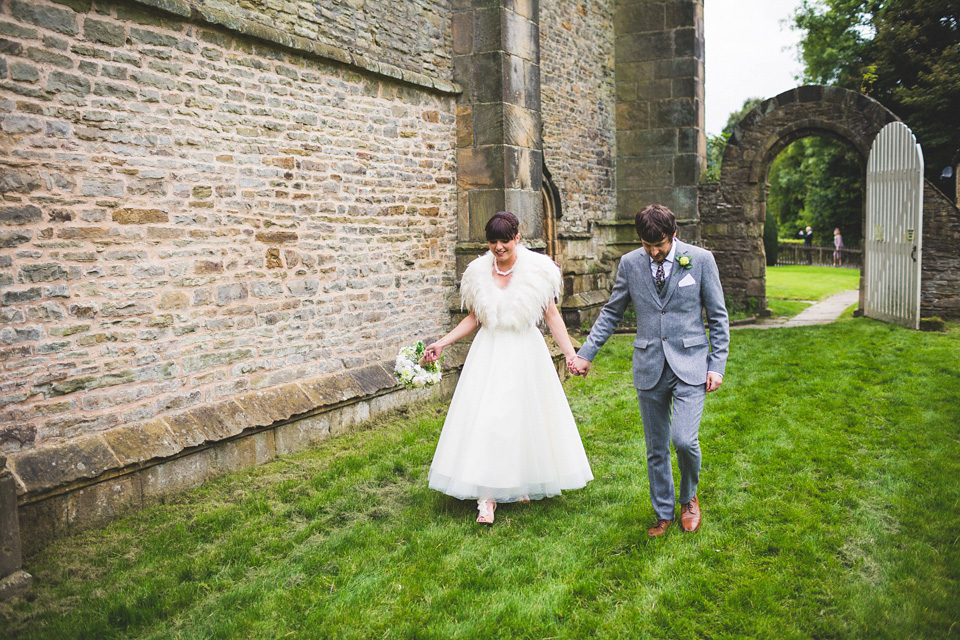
504,273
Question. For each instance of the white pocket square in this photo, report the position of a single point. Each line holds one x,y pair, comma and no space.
687,281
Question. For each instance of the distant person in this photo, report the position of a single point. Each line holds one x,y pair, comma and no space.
837,248
807,236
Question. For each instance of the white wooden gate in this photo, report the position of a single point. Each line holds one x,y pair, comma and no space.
894,227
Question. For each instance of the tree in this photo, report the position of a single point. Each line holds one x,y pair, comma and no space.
903,53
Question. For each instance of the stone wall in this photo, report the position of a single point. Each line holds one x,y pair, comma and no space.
413,34
193,214
579,143
940,266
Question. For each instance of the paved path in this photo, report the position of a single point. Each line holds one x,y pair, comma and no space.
823,312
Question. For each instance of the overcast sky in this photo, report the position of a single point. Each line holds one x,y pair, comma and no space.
750,53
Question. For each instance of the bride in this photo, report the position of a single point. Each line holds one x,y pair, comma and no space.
509,434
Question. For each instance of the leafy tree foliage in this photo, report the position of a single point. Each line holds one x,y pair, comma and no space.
817,182
903,53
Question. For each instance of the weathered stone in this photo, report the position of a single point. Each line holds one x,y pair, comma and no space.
106,32
98,504
60,20
137,443
176,476
140,216
244,453
173,300
41,273
58,82
276,237
19,215
269,406
16,297
55,465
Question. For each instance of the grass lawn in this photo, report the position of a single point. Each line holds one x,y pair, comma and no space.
800,282
792,288
829,492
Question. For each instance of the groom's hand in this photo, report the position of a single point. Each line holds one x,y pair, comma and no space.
714,380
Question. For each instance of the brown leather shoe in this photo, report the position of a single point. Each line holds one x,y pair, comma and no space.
659,529
690,516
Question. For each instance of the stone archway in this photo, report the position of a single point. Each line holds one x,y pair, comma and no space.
732,213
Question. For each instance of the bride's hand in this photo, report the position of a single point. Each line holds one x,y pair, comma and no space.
431,353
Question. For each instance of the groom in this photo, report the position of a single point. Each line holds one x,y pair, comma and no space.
671,284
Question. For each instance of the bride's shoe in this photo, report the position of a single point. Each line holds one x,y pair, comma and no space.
486,509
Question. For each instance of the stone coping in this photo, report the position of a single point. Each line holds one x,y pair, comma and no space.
263,32
65,466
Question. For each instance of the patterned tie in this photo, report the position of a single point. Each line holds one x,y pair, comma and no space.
659,279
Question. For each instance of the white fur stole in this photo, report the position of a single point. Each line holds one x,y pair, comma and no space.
536,280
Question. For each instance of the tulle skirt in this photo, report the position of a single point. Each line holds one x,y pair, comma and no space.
509,433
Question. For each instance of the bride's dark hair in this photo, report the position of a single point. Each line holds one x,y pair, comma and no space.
502,226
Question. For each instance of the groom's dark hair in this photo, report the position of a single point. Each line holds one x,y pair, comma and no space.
655,222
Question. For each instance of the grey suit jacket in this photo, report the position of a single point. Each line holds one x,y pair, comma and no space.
669,327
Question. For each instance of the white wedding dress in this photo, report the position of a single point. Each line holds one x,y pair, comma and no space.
509,433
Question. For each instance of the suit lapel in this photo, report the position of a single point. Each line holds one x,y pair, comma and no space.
675,277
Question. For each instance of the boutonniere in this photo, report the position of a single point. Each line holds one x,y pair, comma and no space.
684,262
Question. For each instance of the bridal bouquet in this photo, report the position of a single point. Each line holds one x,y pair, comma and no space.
411,373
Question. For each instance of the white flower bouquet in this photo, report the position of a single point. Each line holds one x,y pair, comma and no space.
411,373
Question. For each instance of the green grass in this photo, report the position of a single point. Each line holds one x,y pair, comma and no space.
800,282
831,510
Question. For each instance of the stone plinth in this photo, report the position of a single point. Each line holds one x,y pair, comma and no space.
13,580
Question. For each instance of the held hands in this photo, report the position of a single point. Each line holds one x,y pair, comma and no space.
578,366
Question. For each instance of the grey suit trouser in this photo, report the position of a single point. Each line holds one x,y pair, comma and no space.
671,411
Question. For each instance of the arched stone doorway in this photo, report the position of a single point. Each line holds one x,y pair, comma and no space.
732,213
552,211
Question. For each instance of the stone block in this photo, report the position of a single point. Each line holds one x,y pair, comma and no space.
40,522
528,206
11,239
642,47
632,115
647,142
98,504
331,390
53,18
480,167
688,43
683,112
106,32
488,30
60,464
60,82
487,77
350,416
176,476
687,168
302,434
463,32
521,37
276,237
243,453
374,378
269,406
140,216
19,215
136,443
10,550
639,17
